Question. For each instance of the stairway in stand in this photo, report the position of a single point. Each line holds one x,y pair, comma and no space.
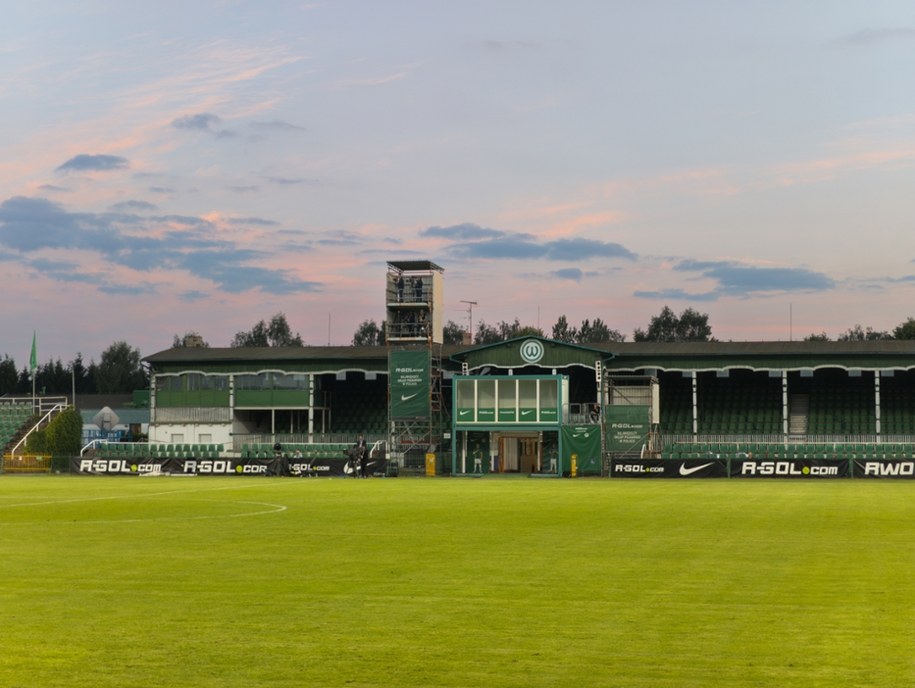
798,414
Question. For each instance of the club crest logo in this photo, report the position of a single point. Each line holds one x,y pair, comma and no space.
531,351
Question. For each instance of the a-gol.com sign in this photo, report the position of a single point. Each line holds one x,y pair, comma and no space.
626,427
408,372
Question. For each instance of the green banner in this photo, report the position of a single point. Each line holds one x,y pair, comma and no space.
584,442
627,427
408,372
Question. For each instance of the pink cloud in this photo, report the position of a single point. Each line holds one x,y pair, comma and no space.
825,169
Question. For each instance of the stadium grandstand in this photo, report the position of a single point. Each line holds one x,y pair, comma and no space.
541,407
516,406
529,406
19,418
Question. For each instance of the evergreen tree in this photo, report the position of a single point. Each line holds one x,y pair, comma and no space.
486,334
369,334
85,382
276,333
597,332
119,371
905,330
859,334
563,332
515,329
690,326
453,333
190,340
8,375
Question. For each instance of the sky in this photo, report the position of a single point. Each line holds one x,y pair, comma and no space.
199,166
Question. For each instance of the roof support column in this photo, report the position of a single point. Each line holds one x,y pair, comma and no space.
877,403
785,404
311,407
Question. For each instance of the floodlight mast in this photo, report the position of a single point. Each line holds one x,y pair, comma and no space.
470,305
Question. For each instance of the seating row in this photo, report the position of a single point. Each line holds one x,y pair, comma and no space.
774,450
146,450
327,450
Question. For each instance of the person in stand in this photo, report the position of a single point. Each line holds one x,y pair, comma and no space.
417,288
409,325
399,284
421,329
400,324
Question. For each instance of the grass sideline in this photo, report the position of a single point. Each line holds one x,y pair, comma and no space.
444,582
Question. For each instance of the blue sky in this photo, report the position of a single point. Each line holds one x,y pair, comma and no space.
200,166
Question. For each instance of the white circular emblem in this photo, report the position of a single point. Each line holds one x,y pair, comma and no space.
531,351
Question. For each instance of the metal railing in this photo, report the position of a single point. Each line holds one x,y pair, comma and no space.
239,441
47,408
781,438
583,414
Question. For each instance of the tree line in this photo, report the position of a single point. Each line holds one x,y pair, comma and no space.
120,371
904,330
688,326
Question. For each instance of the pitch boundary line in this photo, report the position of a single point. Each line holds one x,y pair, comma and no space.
77,500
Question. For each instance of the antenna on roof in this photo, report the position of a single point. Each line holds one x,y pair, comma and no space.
470,305
790,322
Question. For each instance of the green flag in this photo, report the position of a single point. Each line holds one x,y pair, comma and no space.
33,359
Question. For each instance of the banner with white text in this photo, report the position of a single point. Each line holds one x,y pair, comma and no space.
626,427
802,469
176,466
666,468
889,468
275,466
409,375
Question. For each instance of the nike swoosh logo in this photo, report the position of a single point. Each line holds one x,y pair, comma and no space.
464,412
407,397
695,469
526,412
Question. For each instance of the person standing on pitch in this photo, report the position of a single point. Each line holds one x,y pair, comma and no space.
362,457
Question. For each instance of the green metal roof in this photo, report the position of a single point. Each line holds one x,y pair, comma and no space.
291,358
415,265
510,354
615,356
882,354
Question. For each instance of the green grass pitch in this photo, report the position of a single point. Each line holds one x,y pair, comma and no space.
455,582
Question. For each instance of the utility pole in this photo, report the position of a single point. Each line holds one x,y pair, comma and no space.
470,305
